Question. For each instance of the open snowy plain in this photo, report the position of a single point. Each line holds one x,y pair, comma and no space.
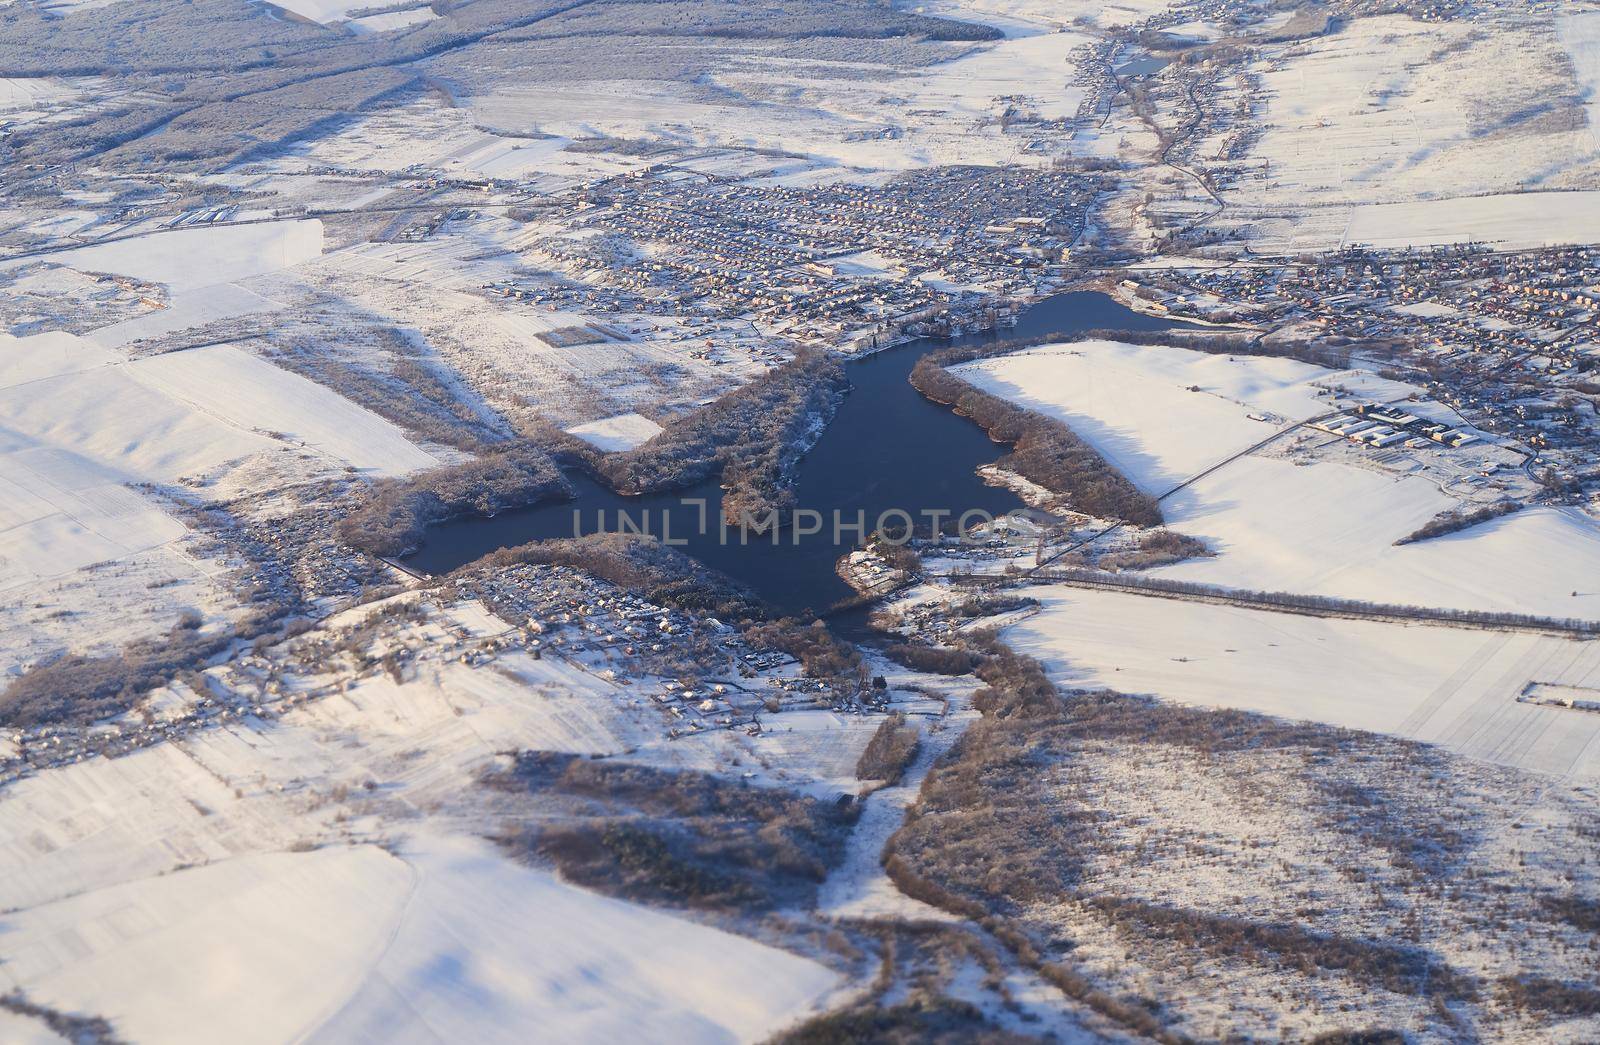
284,285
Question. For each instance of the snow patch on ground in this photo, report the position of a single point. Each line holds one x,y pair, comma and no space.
250,394
188,259
1448,686
623,432
1511,220
1133,403
1165,415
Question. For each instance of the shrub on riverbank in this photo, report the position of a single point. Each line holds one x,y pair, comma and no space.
934,660
753,436
890,750
1044,451
396,513
683,838
1155,548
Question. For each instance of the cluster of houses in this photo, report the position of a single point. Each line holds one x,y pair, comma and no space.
1448,300
787,257
629,639
703,673
1511,340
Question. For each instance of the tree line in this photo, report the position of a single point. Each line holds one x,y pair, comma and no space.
1047,451
753,436
1044,450
1295,601
1455,520
396,513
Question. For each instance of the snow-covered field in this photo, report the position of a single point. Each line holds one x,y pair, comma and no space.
1453,687
623,432
488,950
827,112
247,393
1035,67
183,414
446,941
1324,524
862,123
31,92
1330,528
1392,110
1027,17
449,139
334,12
73,429
191,258
392,20
187,310
1508,221
78,425
248,883
324,11
201,268
108,418
1580,35
1326,527
498,351
1133,403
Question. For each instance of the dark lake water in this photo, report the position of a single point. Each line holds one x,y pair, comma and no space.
887,448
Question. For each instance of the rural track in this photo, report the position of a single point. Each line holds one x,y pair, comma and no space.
1246,452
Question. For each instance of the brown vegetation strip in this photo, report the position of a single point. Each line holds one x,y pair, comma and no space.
987,842
890,750
1456,520
753,436
396,513
680,838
